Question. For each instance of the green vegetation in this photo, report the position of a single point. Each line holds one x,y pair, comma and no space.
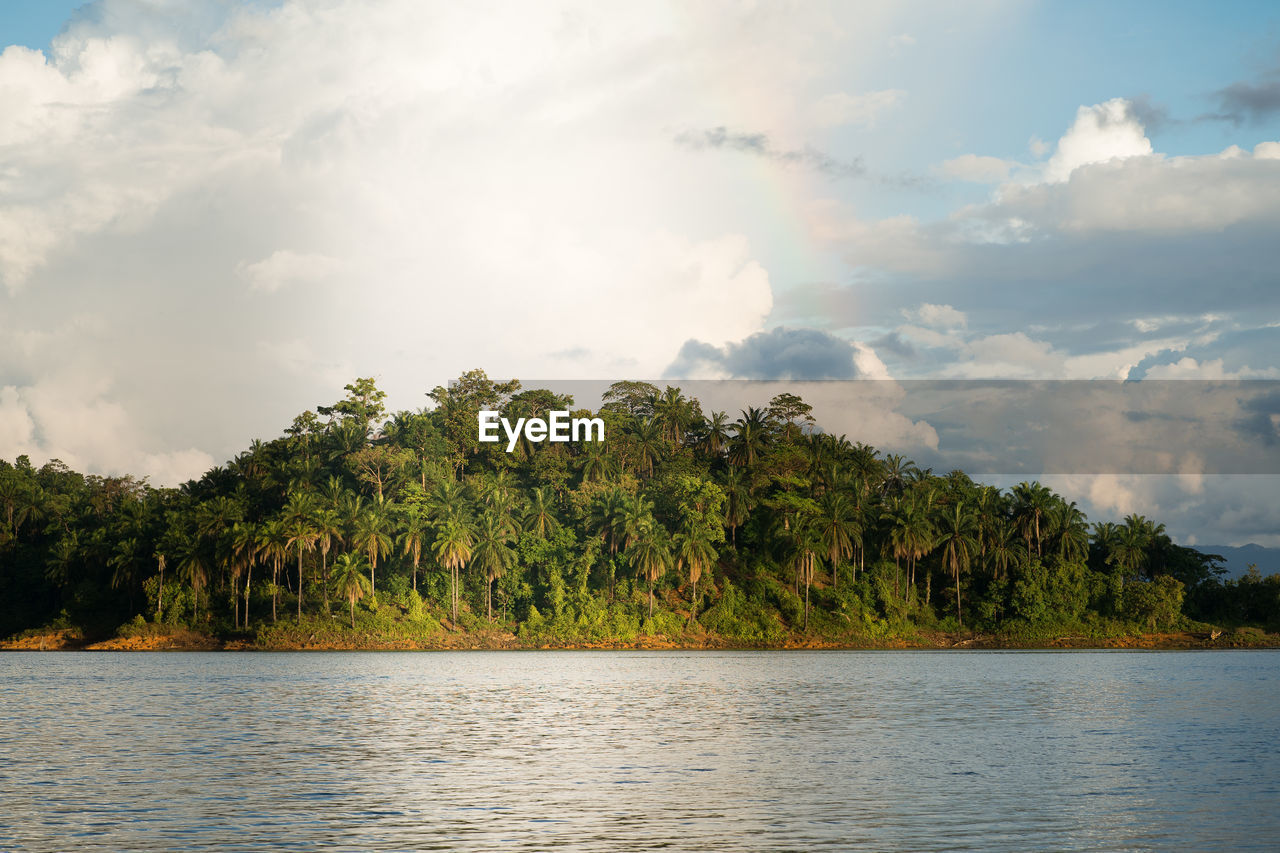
355,528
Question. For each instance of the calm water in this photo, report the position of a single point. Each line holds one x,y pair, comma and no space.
609,751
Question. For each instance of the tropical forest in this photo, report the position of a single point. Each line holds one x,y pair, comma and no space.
684,528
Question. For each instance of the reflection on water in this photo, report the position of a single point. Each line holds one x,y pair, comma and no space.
608,751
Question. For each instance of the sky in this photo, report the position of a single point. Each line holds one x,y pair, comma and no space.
215,214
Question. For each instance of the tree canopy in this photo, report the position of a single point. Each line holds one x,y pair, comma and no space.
750,528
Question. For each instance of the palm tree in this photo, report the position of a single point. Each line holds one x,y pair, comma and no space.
160,561
349,580
804,543
958,540
1032,504
751,433
1073,531
1005,549
649,554
492,553
673,414
125,565
715,435
597,463
415,535
1130,550
455,540
328,529
245,545
895,470
62,558
371,532
539,516
648,442
193,568
273,543
836,530
737,493
302,535
693,548
910,533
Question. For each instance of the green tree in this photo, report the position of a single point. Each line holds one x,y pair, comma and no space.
349,581
492,553
958,539
371,532
455,541
649,554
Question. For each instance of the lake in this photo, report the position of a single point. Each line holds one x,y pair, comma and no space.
640,750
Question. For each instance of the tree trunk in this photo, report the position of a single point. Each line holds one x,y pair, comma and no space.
353,611
488,598
160,597
806,605
959,618
299,584
324,578
693,603
650,598
248,575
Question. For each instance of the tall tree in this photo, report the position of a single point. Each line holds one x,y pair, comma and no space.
492,553
455,542
371,532
649,554
349,580
958,539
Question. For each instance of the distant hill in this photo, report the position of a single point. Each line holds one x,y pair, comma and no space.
1239,558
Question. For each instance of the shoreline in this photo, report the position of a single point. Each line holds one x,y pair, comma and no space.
184,640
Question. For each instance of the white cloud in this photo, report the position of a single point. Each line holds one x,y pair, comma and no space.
1189,368
977,169
1228,510
77,422
1100,133
283,268
840,108
869,365
253,200
938,316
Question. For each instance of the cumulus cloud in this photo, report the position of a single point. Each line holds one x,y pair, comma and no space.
1101,133
1228,510
1106,222
937,316
260,202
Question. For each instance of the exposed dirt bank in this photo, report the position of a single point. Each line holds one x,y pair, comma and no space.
178,639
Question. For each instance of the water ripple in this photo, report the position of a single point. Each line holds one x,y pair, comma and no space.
604,751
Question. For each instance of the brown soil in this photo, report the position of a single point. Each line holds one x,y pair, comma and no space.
178,639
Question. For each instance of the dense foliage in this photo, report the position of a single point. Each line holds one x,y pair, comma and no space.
753,530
